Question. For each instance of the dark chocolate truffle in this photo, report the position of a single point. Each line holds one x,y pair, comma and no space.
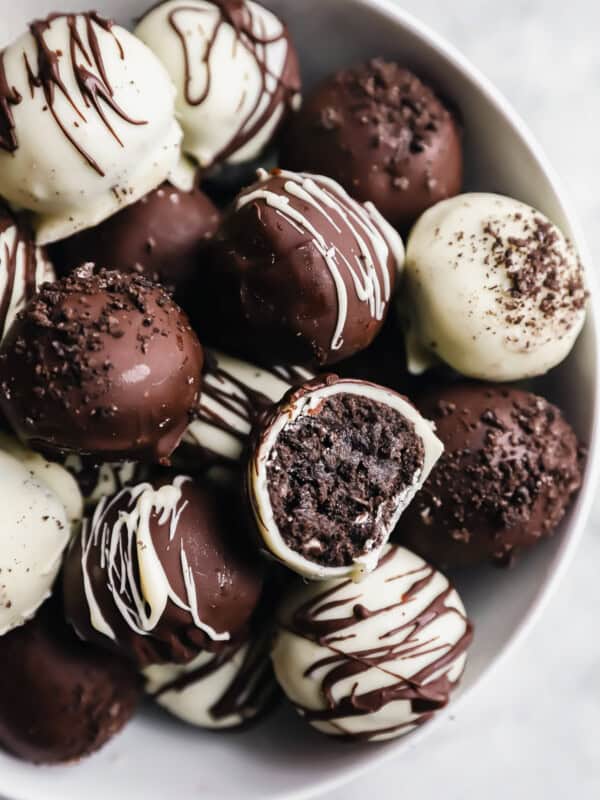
332,467
162,571
104,365
299,272
60,699
510,467
381,133
161,236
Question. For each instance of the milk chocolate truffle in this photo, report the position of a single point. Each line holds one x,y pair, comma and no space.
383,135
373,660
220,691
332,467
235,70
23,267
161,236
161,571
102,365
299,272
60,699
510,467
234,395
492,288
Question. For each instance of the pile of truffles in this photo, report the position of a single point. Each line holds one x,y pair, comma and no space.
209,467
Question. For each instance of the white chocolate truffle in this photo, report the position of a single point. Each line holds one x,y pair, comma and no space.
235,71
51,474
234,393
89,120
23,267
35,532
492,288
373,661
224,690
332,468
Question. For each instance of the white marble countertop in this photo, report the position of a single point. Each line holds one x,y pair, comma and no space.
532,732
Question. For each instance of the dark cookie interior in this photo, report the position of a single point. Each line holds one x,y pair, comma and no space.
335,474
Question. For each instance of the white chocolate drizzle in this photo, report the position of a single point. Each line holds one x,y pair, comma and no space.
129,544
375,242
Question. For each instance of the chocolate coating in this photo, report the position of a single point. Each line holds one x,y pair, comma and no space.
161,236
104,365
381,133
60,699
180,577
298,272
510,467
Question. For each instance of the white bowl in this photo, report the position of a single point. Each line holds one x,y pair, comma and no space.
156,756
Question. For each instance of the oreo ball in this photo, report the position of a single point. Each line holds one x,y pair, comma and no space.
510,467
60,699
383,134
161,236
299,272
103,365
161,571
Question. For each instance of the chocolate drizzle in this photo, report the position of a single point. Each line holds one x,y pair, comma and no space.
427,689
231,402
8,97
87,63
22,247
250,34
250,691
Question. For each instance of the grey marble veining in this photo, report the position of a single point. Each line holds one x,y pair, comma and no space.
532,731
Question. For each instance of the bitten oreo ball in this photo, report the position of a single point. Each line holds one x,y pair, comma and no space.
492,288
373,660
332,467
102,365
161,236
60,699
510,467
299,272
383,135
161,571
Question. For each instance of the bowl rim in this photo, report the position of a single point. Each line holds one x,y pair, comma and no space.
583,504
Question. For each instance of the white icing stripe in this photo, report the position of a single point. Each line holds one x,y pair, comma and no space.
128,544
374,238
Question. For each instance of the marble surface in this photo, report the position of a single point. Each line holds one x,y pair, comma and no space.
533,730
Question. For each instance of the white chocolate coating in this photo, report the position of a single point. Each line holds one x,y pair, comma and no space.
51,474
35,532
233,393
222,102
259,488
112,159
23,267
352,658
492,288
215,691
